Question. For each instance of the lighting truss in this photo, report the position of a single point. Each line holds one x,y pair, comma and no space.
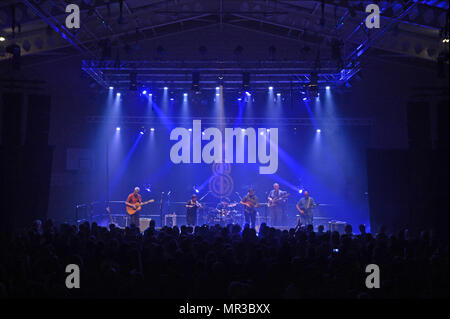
178,74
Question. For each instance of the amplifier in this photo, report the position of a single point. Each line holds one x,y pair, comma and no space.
143,223
338,226
173,219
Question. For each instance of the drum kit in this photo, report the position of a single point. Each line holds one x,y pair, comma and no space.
229,214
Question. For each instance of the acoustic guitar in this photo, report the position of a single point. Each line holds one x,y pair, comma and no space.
132,210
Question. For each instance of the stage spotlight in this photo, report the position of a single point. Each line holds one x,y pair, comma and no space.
2,39
305,98
239,99
196,82
195,189
220,80
217,94
262,133
185,94
278,94
217,88
245,81
247,93
166,88
118,129
133,82
190,130
318,130
152,129
300,191
327,87
270,88
149,94
111,87
142,132
118,94
242,129
144,92
172,99
268,130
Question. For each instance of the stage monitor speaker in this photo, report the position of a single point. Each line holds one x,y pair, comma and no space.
144,223
419,125
338,226
38,120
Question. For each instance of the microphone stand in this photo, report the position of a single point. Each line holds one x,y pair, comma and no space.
204,196
161,208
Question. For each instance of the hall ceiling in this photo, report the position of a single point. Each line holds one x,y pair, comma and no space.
408,28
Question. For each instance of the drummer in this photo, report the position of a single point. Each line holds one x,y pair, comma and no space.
223,204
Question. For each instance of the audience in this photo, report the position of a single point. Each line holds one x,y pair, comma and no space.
220,262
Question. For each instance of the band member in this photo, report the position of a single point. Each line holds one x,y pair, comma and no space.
133,199
191,211
251,202
277,201
222,205
305,206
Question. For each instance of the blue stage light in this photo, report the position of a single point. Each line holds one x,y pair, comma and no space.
144,92
239,99
172,99
318,130
118,93
141,132
166,88
278,94
117,128
248,93
111,87
152,129
305,98
185,94
327,87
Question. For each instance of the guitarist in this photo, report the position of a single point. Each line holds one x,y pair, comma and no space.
251,202
133,199
277,201
305,206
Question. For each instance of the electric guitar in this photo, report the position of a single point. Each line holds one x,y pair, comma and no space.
274,202
302,211
253,205
137,207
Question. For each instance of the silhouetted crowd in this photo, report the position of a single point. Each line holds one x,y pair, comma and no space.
221,262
